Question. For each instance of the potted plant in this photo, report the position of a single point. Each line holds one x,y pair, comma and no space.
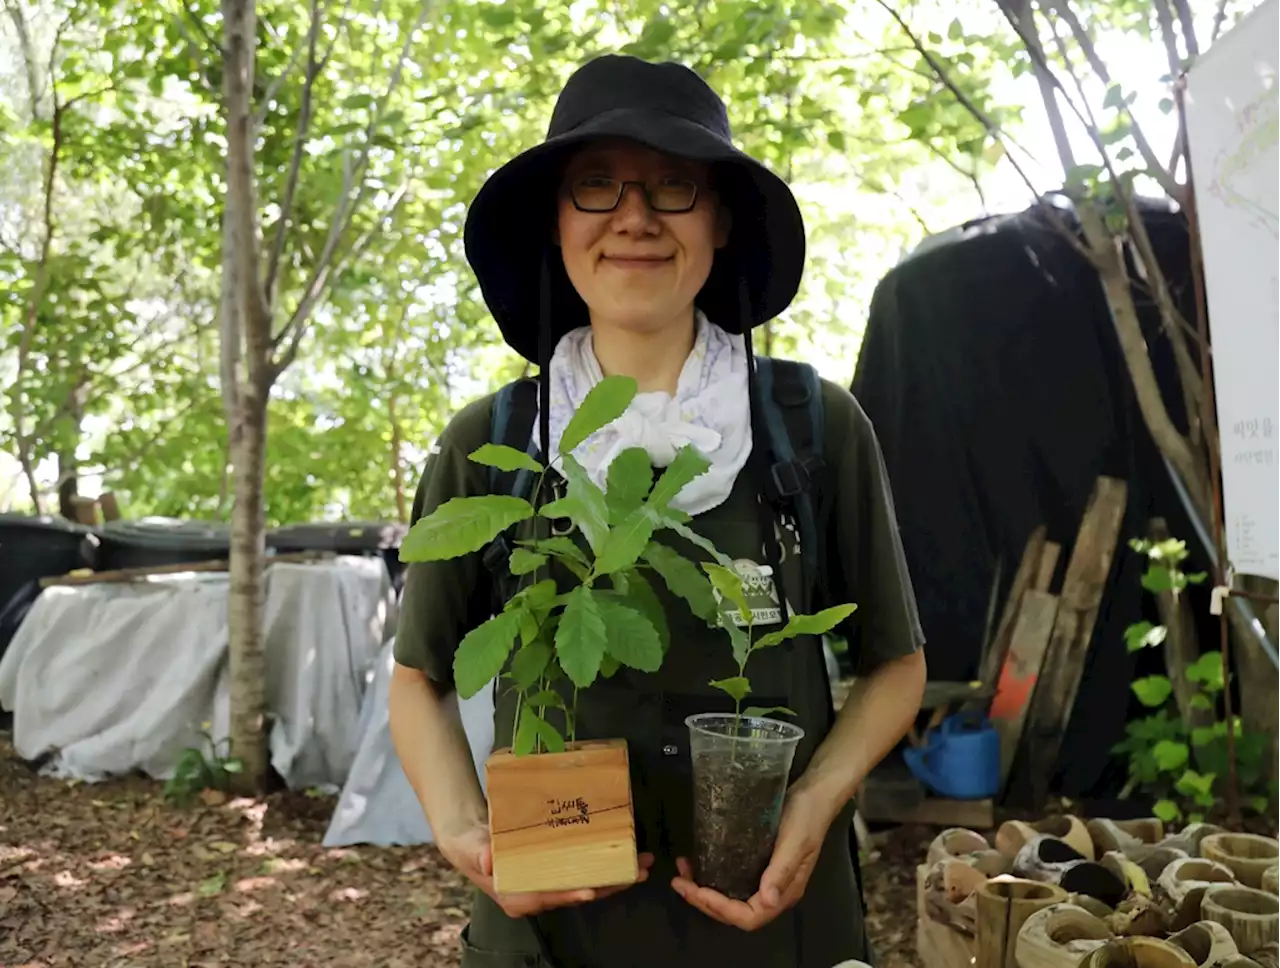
560,811
742,761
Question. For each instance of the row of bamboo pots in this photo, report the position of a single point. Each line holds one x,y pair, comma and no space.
1065,893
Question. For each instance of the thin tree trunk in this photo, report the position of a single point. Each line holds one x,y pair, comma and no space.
250,323
397,468
247,595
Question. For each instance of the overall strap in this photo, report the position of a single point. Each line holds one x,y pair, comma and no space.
791,397
515,408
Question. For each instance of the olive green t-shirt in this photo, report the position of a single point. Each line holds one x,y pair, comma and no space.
444,600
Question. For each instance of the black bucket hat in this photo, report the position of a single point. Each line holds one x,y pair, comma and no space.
666,107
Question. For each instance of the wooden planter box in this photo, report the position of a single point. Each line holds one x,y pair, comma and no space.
562,821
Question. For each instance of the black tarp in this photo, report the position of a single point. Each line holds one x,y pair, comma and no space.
992,373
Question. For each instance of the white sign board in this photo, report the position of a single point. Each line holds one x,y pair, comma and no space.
1233,131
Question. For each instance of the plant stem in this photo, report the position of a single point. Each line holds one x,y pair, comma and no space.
515,723
573,718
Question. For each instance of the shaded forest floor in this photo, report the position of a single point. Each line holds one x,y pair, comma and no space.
108,875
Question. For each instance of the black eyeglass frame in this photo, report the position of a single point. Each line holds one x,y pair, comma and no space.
644,190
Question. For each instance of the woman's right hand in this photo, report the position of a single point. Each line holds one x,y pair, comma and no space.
471,852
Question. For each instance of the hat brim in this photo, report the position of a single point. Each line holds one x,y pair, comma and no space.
508,233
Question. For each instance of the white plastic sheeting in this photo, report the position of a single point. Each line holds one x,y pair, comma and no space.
377,805
111,678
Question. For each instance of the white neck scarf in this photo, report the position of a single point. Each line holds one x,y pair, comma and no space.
709,411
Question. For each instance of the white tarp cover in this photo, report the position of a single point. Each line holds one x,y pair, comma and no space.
111,678
377,805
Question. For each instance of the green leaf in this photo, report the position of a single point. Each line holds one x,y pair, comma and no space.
640,596
550,736
529,664
683,579
624,543
462,525
581,640
1208,671
728,583
1158,579
1170,756
1201,701
604,403
1152,691
561,547
505,458
688,465
632,639
1114,97
483,652
526,732
630,477
836,140
609,666
955,31
697,540
1166,810
584,505
1165,105
545,698
762,711
1144,634
818,624
523,562
1202,735
233,765
739,641
1193,784
1260,805
738,687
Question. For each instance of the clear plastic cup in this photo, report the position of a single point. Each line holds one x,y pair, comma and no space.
740,771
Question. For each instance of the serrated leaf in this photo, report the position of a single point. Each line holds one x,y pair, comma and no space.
632,639
639,595
584,505
668,519
729,584
1158,579
738,687
462,525
504,458
684,580
523,561
1207,670
818,624
529,664
550,736
1152,691
1166,810
762,711
625,542
687,465
604,403
609,666
561,547
1169,755
483,652
581,641
1193,784
630,478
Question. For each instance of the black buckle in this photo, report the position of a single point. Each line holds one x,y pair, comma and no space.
789,478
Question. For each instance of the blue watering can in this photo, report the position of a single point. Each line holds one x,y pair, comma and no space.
960,759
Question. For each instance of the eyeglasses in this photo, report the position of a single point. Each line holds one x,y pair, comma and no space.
595,193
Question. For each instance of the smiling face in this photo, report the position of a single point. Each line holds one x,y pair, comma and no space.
638,269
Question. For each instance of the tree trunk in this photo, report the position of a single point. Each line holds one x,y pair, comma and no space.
1259,686
246,325
397,467
247,594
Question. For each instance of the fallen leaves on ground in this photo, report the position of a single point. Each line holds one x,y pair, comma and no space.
108,875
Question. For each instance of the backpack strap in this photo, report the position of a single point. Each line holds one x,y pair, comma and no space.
515,408
791,396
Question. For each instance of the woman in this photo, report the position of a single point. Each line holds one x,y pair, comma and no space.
637,240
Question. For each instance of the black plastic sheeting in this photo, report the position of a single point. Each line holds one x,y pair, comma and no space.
32,548
992,373
153,542
346,538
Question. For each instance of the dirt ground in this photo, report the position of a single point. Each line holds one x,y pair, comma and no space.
108,875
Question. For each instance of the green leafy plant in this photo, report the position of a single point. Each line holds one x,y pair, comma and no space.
727,581
206,767
610,615
1184,766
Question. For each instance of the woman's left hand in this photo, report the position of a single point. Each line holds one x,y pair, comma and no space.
801,831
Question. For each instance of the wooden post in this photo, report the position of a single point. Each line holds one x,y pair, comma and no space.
1004,904
1016,688
1082,589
